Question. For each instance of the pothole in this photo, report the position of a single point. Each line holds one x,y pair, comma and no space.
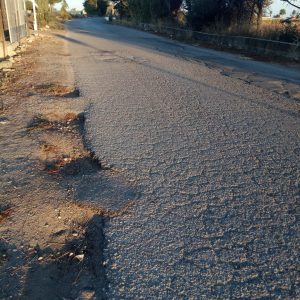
3,120
86,163
55,121
73,94
3,253
64,155
52,89
62,150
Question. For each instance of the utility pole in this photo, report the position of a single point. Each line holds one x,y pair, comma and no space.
35,27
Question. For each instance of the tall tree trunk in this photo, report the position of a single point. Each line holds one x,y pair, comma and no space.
260,5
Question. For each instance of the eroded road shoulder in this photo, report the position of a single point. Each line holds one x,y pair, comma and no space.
51,235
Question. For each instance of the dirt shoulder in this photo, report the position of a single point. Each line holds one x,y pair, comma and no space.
50,245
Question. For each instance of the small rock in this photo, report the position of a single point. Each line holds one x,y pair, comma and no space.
6,64
296,96
40,258
79,257
86,295
6,70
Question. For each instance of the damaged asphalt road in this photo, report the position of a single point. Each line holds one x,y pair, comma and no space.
215,161
155,170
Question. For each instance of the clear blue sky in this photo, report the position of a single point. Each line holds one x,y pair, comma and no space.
275,7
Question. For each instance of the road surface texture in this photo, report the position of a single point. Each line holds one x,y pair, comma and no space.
211,162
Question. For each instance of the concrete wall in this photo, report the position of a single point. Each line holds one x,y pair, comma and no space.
13,25
251,45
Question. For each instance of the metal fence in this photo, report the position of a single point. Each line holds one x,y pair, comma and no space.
16,19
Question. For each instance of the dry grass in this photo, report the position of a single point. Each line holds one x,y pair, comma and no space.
272,29
275,30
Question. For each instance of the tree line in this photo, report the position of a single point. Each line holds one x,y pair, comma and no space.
198,13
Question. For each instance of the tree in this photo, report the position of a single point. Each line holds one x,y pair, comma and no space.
122,7
282,12
102,7
64,10
95,6
147,10
90,6
226,13
29,5
43,11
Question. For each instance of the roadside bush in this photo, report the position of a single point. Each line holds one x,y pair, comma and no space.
43,12
148,10
269,30
290,34
275,30
47,16
64,14
95,7
28,5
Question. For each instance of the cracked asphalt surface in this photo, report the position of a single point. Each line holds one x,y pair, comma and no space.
213,159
